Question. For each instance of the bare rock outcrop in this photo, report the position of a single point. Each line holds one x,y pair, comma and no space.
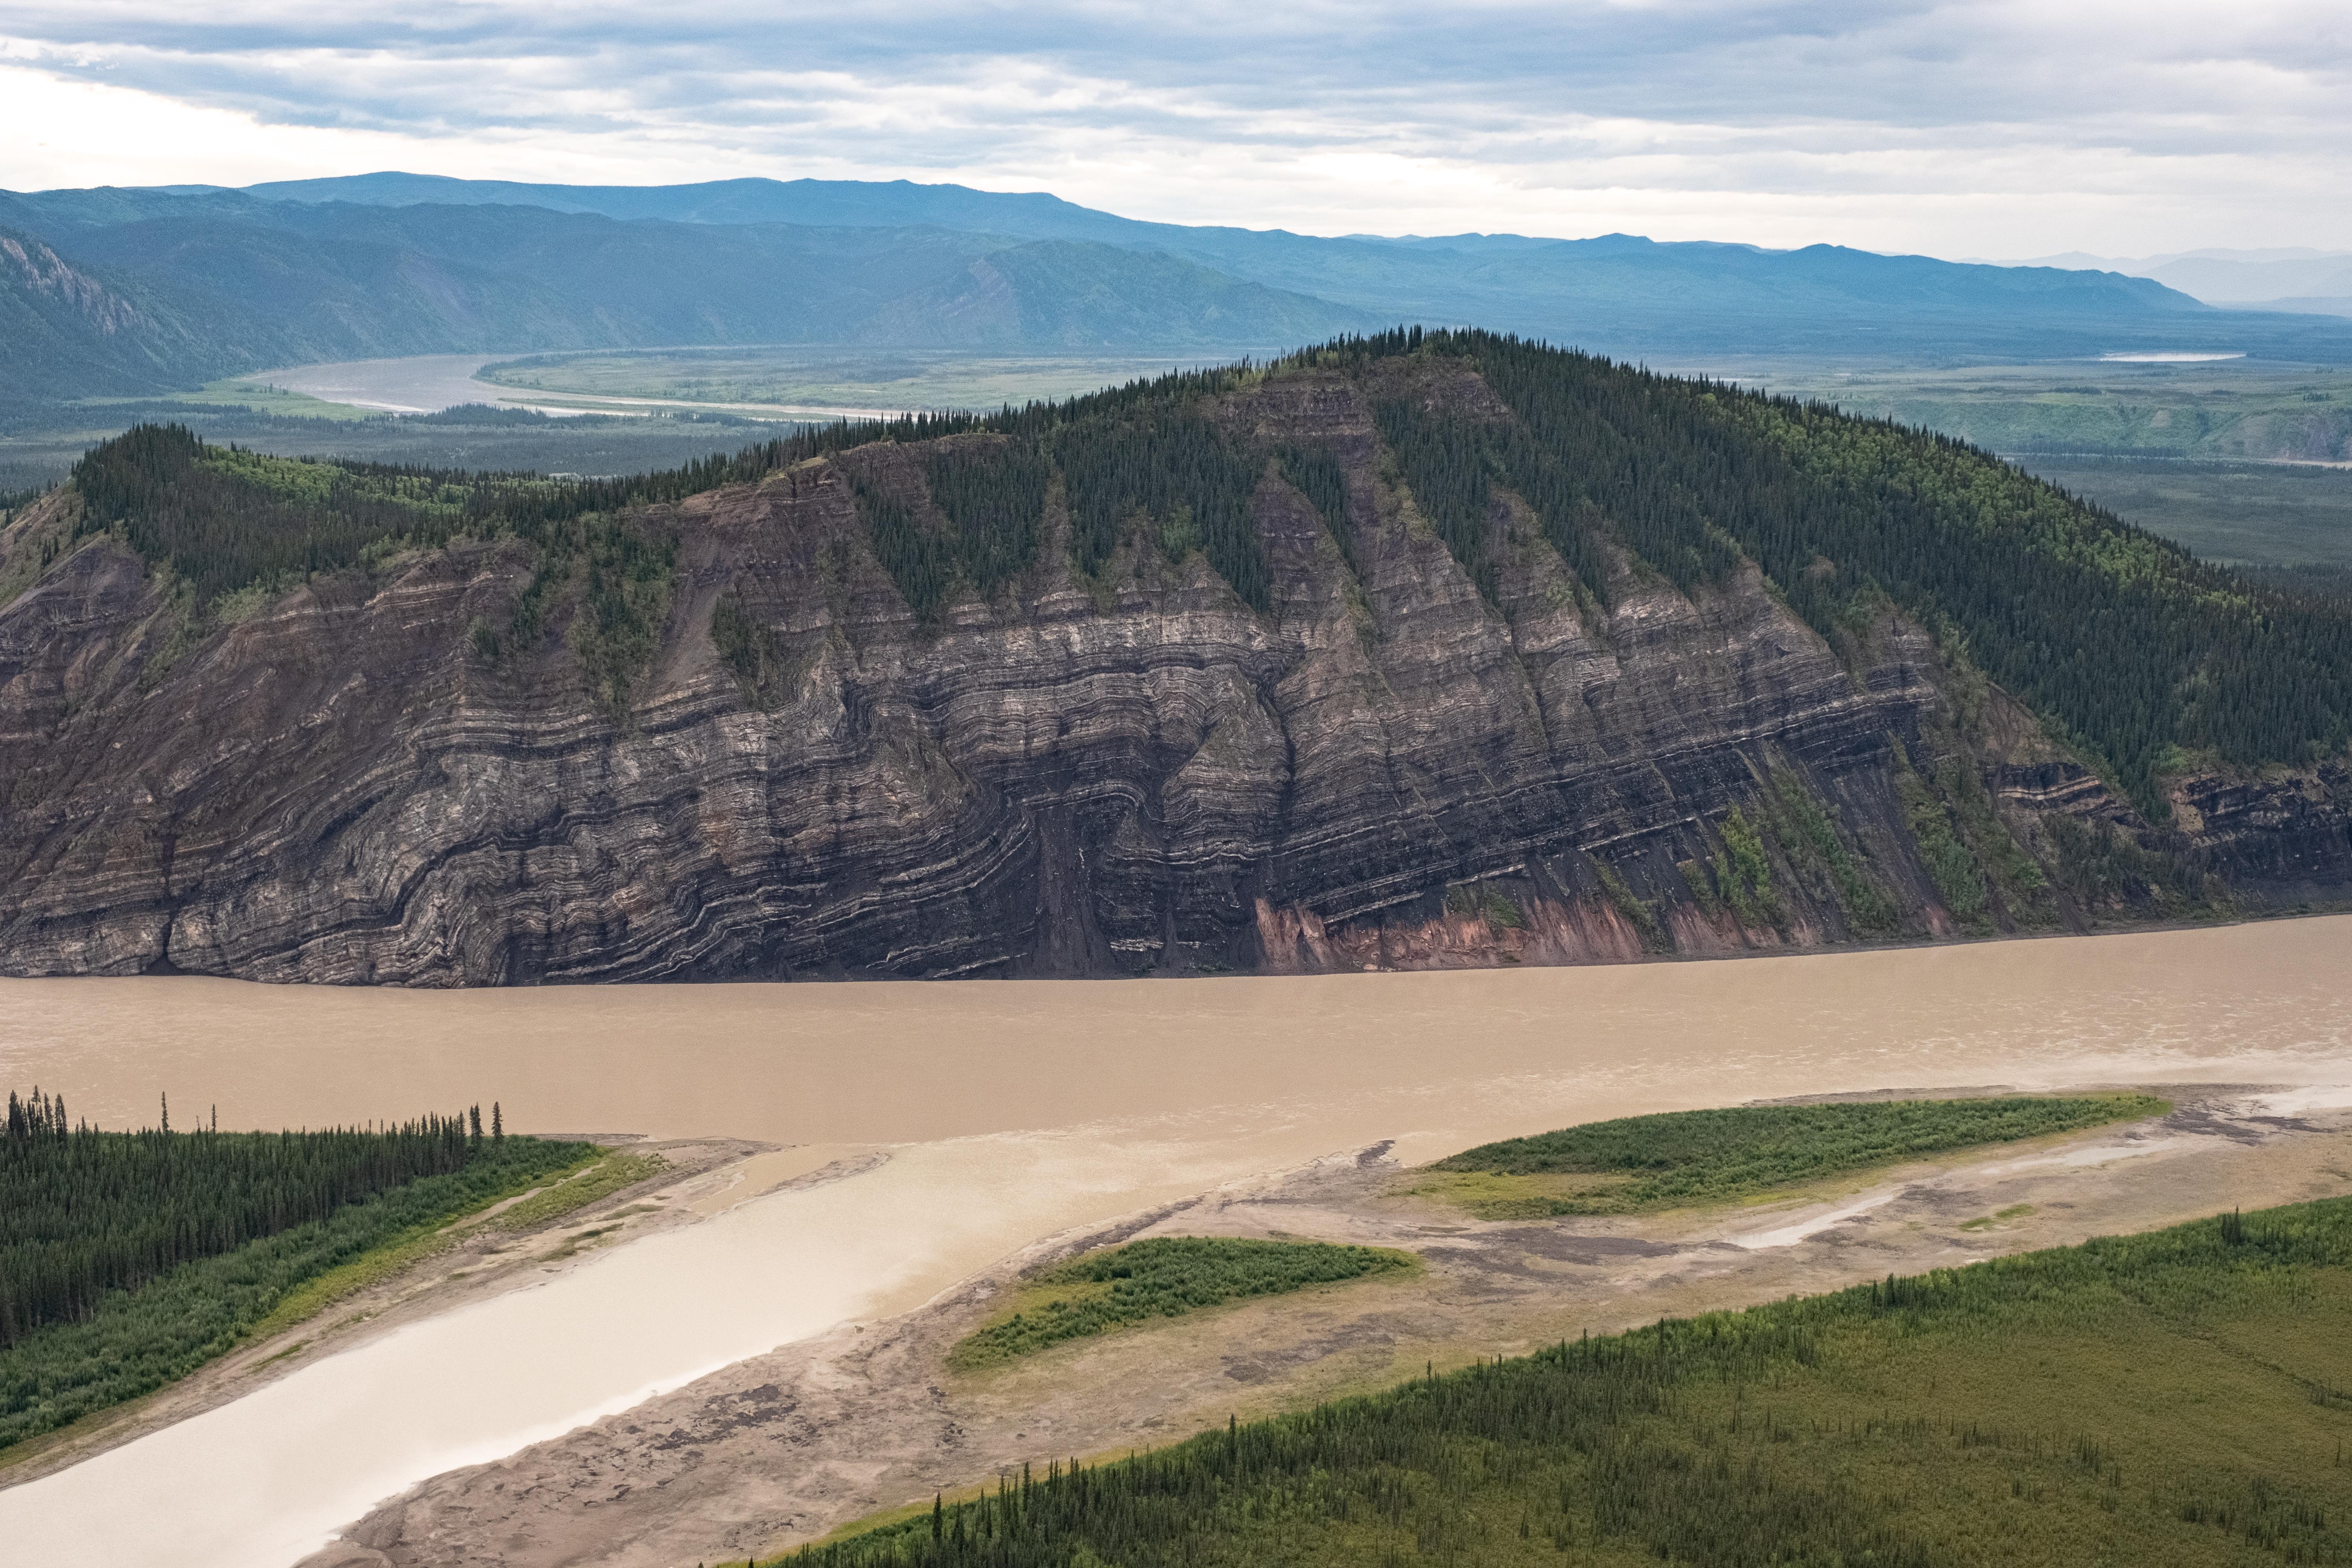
1135,773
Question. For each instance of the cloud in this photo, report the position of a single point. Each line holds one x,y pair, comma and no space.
1954,128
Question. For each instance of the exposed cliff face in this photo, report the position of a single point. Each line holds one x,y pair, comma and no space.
1131,774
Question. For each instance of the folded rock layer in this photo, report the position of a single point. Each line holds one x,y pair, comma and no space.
1123,772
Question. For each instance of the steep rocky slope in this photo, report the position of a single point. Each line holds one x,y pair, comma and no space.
386,773
66,332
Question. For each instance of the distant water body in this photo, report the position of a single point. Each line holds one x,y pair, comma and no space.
1011,1110
420,384
427,383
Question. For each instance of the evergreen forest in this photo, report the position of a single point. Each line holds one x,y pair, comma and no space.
127,1260
84,1212
2133,651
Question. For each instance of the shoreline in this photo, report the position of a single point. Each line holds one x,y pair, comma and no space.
1009,1113
424,1286
868,981
863,1419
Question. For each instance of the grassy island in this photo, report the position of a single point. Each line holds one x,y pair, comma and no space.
1163,1277
1685,1158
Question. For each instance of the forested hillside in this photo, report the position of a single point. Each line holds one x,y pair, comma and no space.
276,283
2126,642
1423,648
66,332
2134,649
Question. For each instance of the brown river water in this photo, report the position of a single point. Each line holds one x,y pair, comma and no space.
1010,1110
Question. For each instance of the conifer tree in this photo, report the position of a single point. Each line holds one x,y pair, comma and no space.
83,1213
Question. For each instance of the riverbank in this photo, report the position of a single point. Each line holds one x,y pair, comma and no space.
484,1254
1009,1112
786,1447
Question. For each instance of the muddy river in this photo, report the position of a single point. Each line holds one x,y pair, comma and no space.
426,384
1008,1111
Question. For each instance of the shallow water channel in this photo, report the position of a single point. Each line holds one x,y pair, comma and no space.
1010,1110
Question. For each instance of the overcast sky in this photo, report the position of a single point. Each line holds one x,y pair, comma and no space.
1958,130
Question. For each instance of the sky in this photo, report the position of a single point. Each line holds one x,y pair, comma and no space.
1985,128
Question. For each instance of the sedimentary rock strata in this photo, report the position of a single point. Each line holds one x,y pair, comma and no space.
1127,773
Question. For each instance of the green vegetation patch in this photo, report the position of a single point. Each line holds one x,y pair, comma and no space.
576,1191
800,376
1743,873
1445,459
1959,880
993,493
749,648
132,1258
1482,900
1163,1277
626,570
2104,869
1636,910
990,494
1803,824
1157,461
223,518
1316,474
1685,1157
263,397
2263,511
2183,1397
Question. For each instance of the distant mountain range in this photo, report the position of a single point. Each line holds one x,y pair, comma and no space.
125,292
2309,281
215,283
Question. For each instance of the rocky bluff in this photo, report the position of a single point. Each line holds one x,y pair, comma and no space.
1435,741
